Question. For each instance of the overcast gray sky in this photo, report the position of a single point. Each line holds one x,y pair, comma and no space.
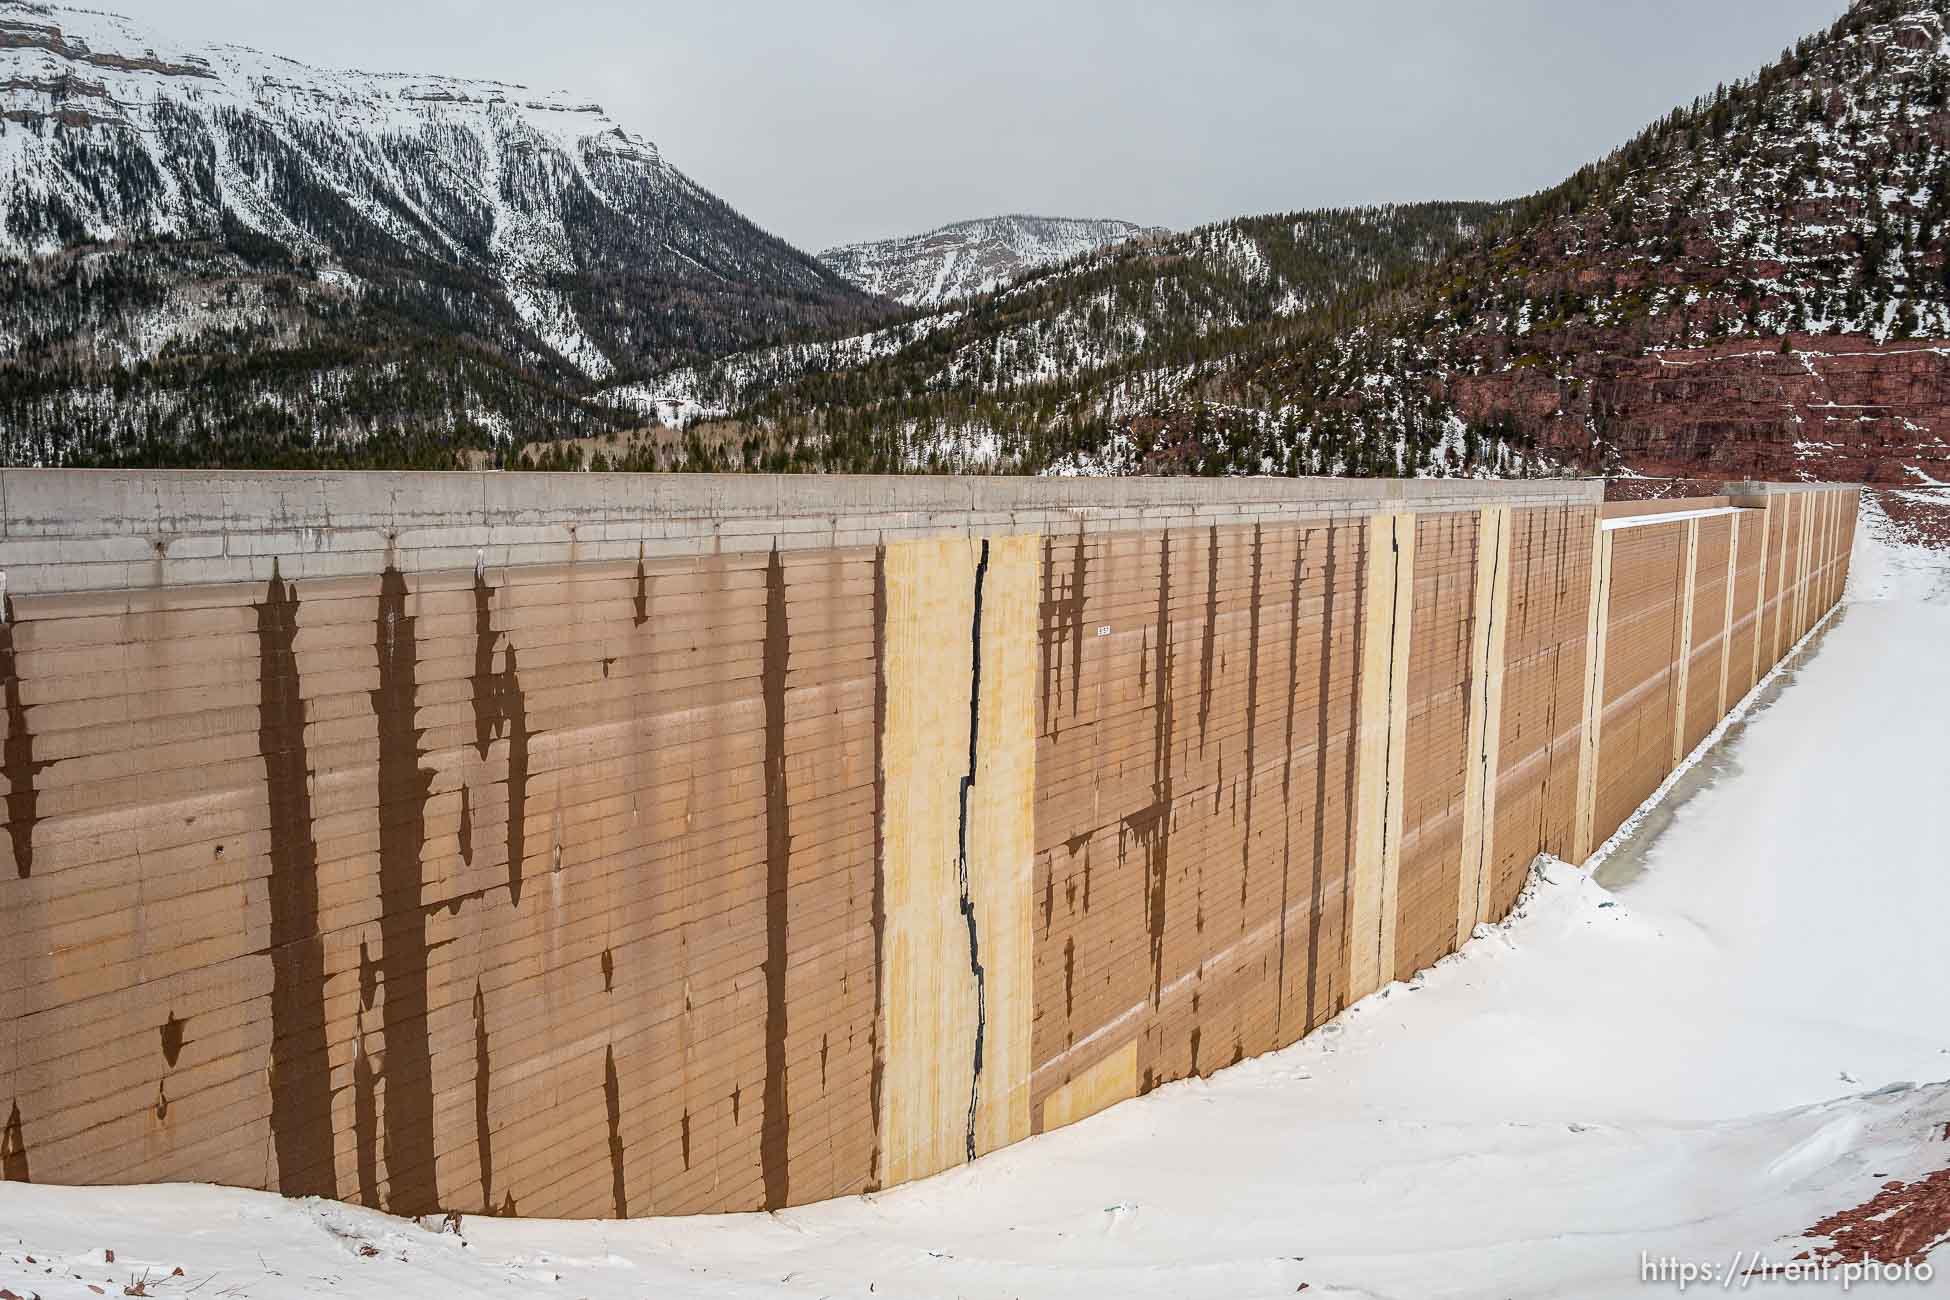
828,121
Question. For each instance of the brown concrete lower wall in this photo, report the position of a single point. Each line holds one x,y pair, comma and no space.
508,848
718,872
1542,720
1194,787
1644,650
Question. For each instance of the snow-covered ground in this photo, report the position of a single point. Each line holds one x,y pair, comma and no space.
1904,560
1747,1038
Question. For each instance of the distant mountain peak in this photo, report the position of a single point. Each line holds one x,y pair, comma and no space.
86,67
398,233
971,257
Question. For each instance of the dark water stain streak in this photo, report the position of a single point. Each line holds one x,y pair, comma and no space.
17,756
483,1084
1210,645
775,1135
13,1150
301,1086
1329,604
404,784
501,708
613,1109
1252,728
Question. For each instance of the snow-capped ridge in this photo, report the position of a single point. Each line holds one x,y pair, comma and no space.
965,258
526,226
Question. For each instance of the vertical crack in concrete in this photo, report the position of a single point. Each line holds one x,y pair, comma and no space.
404,787
301,1084
878,1079
1252,731
776,1131
1484,760
17,756
1350,773
1388,749
961,859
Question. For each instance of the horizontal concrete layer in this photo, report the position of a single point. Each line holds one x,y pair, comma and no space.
106,530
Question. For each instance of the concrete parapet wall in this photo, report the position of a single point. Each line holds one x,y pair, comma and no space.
594,845
1680,505
70,530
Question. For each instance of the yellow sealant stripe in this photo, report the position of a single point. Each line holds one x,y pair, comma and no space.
1597,630
1382,752
1727,617
1485,705
1683,669
1103,1085
944,991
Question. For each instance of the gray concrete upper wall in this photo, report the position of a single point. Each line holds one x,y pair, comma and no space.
104,530
1753,488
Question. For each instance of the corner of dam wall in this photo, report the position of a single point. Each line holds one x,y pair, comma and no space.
591,845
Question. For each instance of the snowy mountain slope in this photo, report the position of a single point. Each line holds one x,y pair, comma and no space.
1033,372
159,188
971,257
1755,286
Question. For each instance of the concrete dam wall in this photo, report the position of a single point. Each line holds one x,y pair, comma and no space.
592,845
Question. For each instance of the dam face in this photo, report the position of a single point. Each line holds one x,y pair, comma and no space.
618,845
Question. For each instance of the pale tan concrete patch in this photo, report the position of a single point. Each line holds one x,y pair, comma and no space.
1486,667
1683,668
1726,619
1764,529
1597,624
1382,752
1002,834
1102,1086
933,1101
